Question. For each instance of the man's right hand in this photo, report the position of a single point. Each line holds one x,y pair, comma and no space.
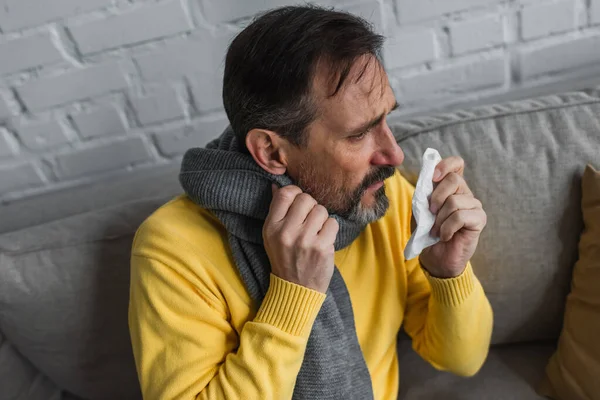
299,239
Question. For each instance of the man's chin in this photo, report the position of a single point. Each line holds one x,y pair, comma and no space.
373,206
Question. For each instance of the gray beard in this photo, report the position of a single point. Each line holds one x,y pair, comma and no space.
363,215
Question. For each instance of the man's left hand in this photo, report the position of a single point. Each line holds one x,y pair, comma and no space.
459,221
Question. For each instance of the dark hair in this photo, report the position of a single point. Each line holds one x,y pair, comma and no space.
271,64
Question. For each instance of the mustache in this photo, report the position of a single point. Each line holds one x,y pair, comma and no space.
378,175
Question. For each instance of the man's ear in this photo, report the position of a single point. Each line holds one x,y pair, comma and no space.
268,150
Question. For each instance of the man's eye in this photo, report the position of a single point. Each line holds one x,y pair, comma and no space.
359,136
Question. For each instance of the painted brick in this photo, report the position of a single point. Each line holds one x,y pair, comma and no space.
42,135
564,56
370,11
161,106
110,156
143,24
100,122
4,110
417,10
8,147
72,86
595,11
541,20
477,34
202,54
176,141
207,92
18,14
229,10
406,48
19,177
454,80
28,52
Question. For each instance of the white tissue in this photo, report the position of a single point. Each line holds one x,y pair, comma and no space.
425,219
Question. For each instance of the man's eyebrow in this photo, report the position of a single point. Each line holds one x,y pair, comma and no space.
365,127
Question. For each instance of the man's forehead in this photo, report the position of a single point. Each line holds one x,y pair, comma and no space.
362,97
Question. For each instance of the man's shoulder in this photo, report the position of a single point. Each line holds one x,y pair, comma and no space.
180,225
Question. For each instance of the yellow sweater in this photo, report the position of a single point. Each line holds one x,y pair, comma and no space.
196,333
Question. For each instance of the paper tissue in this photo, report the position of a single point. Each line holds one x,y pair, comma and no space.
421,238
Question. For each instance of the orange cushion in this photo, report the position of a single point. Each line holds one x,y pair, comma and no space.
573,372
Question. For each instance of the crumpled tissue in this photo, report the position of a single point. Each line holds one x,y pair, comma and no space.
425,219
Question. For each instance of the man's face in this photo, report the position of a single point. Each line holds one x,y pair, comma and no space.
350,149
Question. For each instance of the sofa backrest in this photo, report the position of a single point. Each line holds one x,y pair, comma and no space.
64,288
524,161
64,258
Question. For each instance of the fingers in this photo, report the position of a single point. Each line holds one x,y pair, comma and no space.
299,210
447,166
315,219
329,231
452,184
453,204
282,200
471,220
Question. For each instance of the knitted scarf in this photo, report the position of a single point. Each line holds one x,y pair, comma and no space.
228,182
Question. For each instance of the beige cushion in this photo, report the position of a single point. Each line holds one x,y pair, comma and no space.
510,372
573,372
523,161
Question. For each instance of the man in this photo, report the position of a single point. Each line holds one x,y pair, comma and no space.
280,272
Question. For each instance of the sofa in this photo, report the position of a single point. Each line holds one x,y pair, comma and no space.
64,256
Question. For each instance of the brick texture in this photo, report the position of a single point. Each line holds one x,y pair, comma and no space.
26,53
100,122
595,12
176,141
370,11
7,144
4,110
230,10
207,91
410,48
123,74
476,34
566,56
541,20
141,25
106,157
19,177
164,105
71,86
416,10
181,58
454,80
42,135
17,14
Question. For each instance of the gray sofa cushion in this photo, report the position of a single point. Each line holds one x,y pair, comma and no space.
19,380
510,372
47,207
64,292
524,161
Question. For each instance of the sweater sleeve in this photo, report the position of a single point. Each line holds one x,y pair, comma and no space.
186,348
449,320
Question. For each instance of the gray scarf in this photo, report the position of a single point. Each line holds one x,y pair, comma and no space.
229,183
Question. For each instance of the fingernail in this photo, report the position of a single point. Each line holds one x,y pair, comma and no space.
273,188
437,174
432,209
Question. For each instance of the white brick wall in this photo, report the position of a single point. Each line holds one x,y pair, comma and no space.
476,34
595,12
89,87
27,52
104,121
539,20
140,25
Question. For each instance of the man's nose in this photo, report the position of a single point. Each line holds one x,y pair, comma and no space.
388,152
